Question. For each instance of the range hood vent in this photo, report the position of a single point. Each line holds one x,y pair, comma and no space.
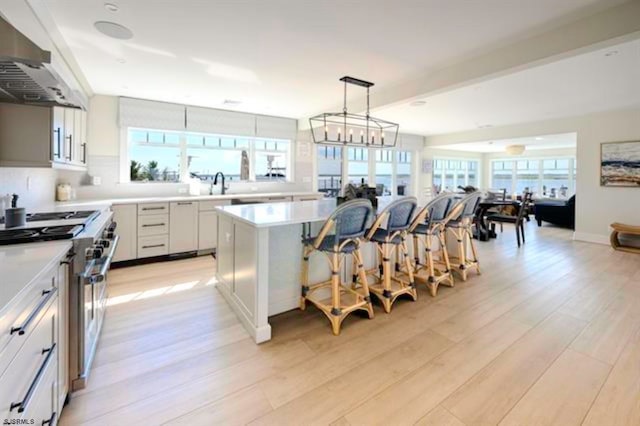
26,75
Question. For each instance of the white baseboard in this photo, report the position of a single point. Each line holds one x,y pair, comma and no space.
591,238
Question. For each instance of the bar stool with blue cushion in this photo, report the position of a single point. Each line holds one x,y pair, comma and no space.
429,225
389,233
339,237
461,228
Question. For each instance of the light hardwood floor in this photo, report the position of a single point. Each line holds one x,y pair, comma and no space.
549,334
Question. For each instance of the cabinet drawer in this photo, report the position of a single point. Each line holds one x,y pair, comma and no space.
153,208
156,245
206,206
23,317
32,372
157,224
278,199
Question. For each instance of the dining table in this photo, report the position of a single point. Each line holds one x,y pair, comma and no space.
483,232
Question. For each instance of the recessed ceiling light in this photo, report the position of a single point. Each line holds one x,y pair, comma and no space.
111,7
539,138
231,102
418,103
611,53
114,30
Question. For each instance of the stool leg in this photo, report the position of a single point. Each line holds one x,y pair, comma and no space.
363,281
407,263
461,256
386,277
445,256
304,278
473,250
431,283
336,312
416,252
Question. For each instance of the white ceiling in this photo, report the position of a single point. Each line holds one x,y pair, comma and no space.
575,86
563,140
284,57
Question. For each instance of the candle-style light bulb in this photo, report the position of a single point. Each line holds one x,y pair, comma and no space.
382,137
350,135
361,136
339,132
326,132
373,136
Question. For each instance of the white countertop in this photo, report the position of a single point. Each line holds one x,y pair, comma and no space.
60,208
166,199
291,213
22,264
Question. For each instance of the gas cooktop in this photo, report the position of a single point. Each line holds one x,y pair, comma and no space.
47,216
47,233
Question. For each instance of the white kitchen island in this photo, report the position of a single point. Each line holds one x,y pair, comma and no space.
259,255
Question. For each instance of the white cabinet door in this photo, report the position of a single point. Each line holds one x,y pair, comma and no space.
183,226
245,259
63,335
224,252
126,217
207,230
83,137
77,135
69,130
57,132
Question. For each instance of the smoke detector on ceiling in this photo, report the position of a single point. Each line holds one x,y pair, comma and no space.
111,7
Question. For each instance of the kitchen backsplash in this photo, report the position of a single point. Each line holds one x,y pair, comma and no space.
35,187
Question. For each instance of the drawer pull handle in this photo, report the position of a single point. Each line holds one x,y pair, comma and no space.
153,246
48,294
22,405
185,204
148,225
152,208
51,419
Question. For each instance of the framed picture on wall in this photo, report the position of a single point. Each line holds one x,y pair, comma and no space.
620,164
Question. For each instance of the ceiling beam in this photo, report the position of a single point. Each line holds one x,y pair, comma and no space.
610,27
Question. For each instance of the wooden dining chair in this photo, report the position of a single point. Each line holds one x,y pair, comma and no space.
461,227
517,220
389,234
339,237
427,228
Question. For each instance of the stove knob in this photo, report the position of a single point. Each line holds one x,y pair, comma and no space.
94,252
103,243
112,226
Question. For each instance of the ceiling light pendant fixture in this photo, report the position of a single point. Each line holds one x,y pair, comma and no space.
345,128
515,149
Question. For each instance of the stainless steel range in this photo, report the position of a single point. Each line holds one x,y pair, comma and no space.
94,244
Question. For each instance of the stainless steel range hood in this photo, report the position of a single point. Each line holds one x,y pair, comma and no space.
26,75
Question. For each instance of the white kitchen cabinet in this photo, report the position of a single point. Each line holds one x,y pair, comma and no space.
225,250
126,217
62,382
245,255
183,226
47,136
208,224
207,230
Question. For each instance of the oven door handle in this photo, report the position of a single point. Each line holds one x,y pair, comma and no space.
91,278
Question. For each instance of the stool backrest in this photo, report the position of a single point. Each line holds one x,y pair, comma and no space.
435,210
470,204
397,214
349,221
524,207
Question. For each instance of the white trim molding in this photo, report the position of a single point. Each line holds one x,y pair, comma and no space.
591,238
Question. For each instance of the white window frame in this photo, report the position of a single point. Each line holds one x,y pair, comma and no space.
371,163
571,187
464,161
125,158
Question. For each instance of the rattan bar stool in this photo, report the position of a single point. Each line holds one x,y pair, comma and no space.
427,227
339,237
389,233
461,228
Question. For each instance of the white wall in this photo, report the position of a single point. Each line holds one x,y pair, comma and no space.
596,206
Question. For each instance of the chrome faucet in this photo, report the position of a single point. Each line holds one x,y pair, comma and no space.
215,182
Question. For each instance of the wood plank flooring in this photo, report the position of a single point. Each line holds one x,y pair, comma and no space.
549,334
